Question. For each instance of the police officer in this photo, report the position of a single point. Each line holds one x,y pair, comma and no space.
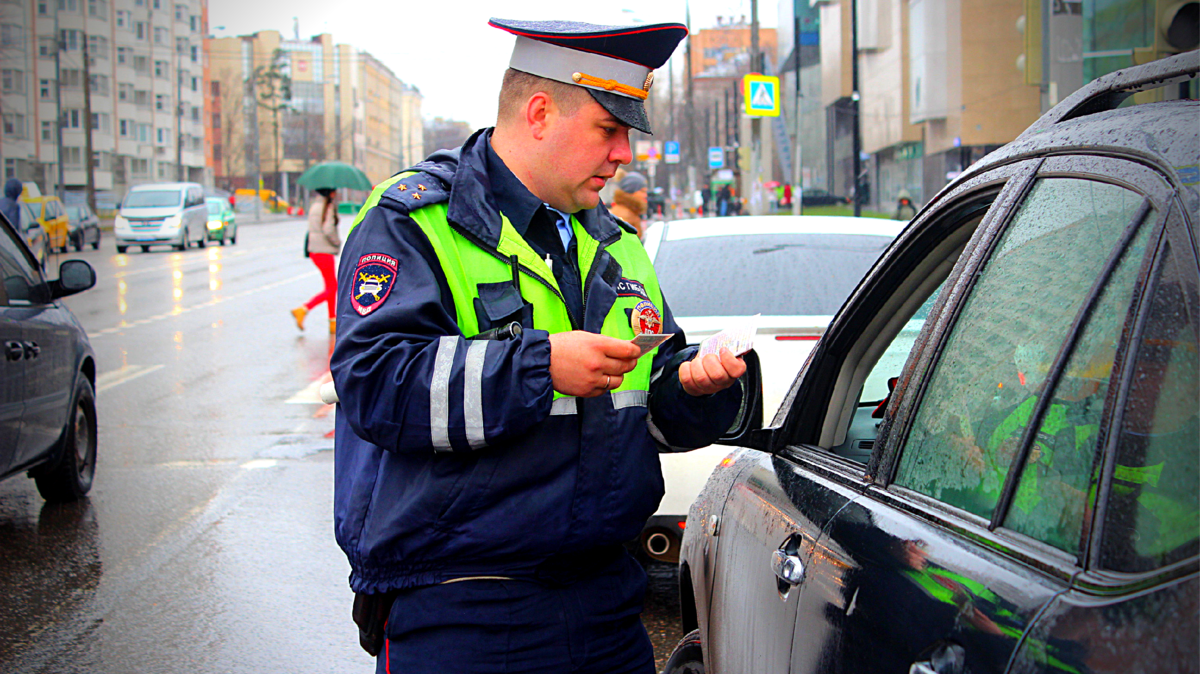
483,487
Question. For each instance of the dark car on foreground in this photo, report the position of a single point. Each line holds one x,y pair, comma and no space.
1028,502
47,374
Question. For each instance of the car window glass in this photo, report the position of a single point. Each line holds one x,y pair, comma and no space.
22,283
891,362
1054,485
999,350
768,274
1153,513
152,198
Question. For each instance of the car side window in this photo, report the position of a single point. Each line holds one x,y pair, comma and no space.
1153,512
23,284
1009,330
1052,493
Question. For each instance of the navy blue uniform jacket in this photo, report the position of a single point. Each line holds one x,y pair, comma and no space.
422,496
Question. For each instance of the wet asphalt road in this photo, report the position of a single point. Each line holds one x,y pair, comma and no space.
206,544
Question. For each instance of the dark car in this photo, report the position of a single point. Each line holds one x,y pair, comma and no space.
85,227
47,375
819,197
1027,500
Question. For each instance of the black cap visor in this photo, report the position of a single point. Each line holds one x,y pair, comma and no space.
627,110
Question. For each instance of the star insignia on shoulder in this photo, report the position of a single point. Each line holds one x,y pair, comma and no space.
403,187
416,196
421,187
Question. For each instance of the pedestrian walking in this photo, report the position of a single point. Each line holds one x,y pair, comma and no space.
321,245
724,199
8,203
905,210
631,198
486,474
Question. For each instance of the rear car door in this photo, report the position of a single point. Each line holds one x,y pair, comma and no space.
1136,606
973,517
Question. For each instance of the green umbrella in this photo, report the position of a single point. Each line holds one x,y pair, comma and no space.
334,174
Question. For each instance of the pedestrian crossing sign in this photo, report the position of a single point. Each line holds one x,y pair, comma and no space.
761,93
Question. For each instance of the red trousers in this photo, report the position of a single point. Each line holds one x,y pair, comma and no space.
324,262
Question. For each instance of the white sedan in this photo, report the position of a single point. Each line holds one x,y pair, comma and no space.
787,274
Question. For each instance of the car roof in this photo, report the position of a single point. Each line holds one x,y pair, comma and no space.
781,224
1165,135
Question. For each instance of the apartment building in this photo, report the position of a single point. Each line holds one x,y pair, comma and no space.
281,105
939,87
144,70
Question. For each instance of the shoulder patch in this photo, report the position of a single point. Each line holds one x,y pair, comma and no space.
627,287
417,191
374,276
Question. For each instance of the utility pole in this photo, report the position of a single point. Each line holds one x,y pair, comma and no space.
178,115
756,189
672,169
58,47
797,171
854,99
88,163
250,103
694,152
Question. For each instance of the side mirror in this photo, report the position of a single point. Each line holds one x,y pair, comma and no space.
746,429
74,276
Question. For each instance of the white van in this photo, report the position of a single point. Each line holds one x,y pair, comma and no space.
162,214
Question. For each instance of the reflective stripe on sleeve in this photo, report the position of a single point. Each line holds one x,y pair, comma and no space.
439,393
473,393
564,406
623,399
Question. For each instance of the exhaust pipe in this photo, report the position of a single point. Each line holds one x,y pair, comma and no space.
657,544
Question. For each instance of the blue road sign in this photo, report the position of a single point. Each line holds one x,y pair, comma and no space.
716,157
671,151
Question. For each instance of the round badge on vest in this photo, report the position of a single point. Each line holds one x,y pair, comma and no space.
645,319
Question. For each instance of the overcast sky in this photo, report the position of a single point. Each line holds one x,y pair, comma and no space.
445,48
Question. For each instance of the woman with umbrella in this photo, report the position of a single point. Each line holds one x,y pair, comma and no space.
322,242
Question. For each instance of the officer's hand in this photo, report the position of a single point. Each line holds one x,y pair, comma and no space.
585,364
712,373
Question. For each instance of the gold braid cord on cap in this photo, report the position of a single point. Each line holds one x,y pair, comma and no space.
612,85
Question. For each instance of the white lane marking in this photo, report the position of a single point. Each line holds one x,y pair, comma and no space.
125,374
310,394
260,463
123,325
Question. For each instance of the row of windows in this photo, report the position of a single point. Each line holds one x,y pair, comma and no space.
99,9
71,40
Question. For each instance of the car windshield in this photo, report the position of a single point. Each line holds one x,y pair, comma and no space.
769,274
215,207
153,198
76,212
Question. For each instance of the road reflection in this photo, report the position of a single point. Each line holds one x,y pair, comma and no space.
49,565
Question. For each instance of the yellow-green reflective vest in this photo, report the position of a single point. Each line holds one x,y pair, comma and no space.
466,266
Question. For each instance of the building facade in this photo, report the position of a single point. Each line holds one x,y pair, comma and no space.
142,66
282,105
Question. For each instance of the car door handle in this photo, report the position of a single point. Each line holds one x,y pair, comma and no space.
32,350
947,658
14,350
787,567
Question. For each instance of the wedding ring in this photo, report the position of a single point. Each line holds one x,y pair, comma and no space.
607,381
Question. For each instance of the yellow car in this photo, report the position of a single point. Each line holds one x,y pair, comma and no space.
52,216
